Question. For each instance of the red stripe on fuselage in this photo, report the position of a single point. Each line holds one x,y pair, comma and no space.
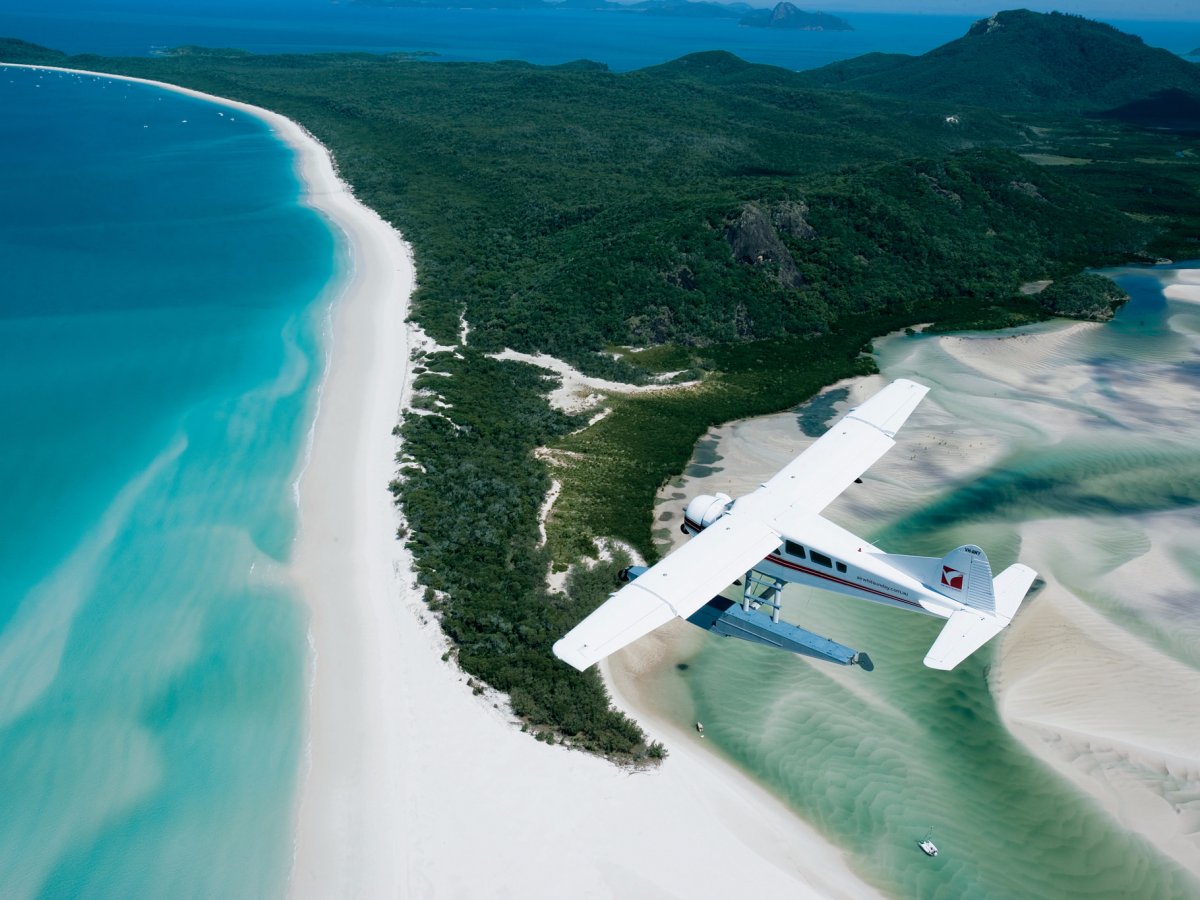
815,573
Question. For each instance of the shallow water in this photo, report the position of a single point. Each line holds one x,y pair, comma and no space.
164,292
1090,447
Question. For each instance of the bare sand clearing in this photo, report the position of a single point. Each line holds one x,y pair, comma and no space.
578,392
414,786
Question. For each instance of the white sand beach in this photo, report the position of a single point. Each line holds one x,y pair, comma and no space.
1108,710
417,786
412,784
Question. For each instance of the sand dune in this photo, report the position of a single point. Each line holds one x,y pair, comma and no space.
1105,708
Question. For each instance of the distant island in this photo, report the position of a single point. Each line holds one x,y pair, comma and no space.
784,15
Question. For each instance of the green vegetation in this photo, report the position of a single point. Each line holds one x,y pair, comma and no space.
1083,296
744,225
14,50
1022,61
471,488
612,471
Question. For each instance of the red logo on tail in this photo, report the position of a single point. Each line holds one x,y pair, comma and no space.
952,578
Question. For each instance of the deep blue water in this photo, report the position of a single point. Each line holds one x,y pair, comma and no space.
622,40
163,290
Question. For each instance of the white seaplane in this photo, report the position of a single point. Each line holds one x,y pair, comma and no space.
776,535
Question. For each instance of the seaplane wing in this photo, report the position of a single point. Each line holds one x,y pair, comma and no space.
816,477
677,586
746,531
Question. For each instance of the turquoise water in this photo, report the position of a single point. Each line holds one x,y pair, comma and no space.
873,759
622,40
159,322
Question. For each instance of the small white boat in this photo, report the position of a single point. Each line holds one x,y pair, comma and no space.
700,729
928,847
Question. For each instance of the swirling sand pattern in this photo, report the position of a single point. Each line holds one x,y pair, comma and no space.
1065,445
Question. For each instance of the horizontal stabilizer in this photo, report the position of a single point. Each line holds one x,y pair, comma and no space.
969,629
1010,587
964,633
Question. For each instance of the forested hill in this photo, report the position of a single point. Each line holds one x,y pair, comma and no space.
1022,61
707,200
761,232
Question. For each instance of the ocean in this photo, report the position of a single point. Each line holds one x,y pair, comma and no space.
621,40
164,295
1094,479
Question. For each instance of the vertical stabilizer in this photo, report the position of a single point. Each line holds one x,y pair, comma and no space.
966,576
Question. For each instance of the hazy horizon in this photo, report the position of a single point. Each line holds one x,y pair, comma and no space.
1172,10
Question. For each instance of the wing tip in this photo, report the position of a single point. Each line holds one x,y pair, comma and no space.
888,409
571,656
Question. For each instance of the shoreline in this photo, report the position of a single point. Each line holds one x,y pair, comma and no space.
405,769
344,537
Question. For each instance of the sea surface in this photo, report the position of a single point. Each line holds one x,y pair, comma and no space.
1095,464
164,294
622,40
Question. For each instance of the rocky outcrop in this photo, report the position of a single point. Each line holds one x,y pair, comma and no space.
755,241
934,185
791,218
1028,189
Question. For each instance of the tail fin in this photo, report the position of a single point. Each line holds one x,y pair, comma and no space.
965,575
969,629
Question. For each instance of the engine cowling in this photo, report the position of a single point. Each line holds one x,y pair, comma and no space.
707,508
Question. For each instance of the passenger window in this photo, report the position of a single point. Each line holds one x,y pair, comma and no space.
793,549
841,567
821,559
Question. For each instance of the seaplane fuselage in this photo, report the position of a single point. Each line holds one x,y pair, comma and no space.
826,556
